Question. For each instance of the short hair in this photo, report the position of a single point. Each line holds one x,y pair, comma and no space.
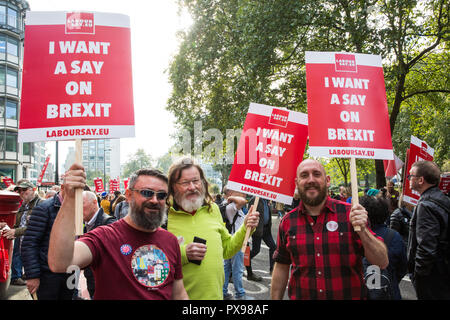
90,195
175,172
146,172
428,170
377,209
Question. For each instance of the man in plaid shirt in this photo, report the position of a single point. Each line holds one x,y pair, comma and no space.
316,241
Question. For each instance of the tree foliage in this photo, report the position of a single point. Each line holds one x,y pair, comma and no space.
138,160
242,51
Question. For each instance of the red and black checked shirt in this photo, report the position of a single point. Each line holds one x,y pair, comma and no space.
326,264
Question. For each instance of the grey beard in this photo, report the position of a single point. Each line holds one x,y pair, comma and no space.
147,221
190,205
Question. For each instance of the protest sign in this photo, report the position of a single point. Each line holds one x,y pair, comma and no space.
347,109
125,183
77,81
391,167
44,167
418,150
98,183
444,185
114,185
270,148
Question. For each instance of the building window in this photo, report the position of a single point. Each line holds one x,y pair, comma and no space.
27,149
2,14
11,78
11,110
12,47
11,142
12,17
2,44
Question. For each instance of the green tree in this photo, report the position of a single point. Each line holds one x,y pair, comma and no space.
241,51
137,161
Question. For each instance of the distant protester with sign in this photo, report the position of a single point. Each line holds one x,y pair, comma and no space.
317,242
204,240
133,258
428,243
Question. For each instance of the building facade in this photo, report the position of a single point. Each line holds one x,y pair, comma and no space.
16,159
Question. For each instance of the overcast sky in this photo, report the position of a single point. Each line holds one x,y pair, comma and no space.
153,43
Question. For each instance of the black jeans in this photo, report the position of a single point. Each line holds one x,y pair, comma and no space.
53,286
268,240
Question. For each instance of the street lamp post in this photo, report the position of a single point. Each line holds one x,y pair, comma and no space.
104,167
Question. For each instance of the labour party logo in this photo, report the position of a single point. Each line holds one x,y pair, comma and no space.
150,266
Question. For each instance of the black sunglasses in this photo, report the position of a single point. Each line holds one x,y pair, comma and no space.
147,193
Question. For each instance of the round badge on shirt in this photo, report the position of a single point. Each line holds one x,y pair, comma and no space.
125,249
150,266
332,226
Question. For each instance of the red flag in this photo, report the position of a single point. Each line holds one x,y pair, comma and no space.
391,167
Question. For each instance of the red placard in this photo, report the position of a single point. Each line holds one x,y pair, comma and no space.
418,150
44,167
125,183
77,80
98,183
114,185
444,185
270,148
347,108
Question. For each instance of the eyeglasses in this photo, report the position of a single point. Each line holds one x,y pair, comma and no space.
147,193
409,176
186,184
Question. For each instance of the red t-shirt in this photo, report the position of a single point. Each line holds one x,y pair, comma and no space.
129,264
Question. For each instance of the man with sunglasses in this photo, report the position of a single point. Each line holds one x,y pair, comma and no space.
428,242
30,199
194,218
132,258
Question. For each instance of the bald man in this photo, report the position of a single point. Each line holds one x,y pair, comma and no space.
317,239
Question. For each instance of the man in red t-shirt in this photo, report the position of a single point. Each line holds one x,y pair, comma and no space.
316,241
132,258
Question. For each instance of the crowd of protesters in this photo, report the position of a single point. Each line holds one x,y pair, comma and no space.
167,237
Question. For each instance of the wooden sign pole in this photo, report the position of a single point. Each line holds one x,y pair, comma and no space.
354,182
247,234
78,193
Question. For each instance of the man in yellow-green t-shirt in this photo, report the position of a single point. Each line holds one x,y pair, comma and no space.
193,213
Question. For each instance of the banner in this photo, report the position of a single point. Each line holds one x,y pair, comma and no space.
347,108
270,148
7,181
44,167
418,150
77,81
98,183
125,183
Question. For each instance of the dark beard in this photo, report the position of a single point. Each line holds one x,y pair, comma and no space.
316,200
147,221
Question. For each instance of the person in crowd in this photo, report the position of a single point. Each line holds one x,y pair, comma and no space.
113,198
428,242
373,192
262,232
93,217
121,209
195,218
233,203
401,218
133,258
50,193
30,199
119,199
47,284
318,250
105,203
378,211
342,195
392,195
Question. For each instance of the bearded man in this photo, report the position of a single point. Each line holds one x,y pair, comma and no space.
132,258
316,241
193,214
